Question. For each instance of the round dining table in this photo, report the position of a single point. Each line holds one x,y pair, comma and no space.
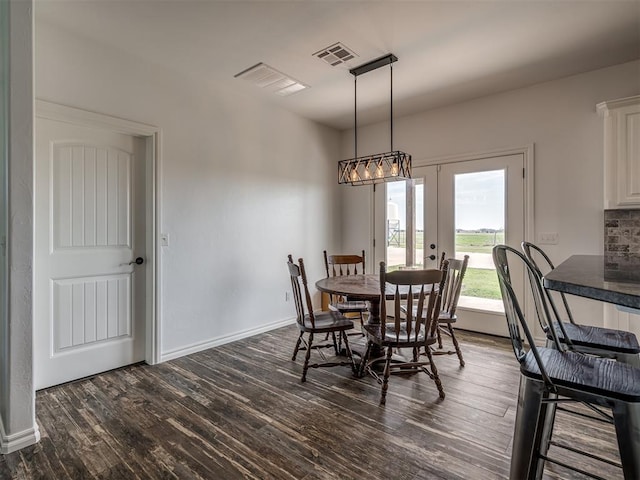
358,287
361,287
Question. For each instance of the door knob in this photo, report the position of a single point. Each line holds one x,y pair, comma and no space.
432,246
137,261
432,257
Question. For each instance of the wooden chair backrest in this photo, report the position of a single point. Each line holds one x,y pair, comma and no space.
422,288
301,296
337,265
453,284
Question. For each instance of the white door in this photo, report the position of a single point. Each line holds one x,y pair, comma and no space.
89,298
461,208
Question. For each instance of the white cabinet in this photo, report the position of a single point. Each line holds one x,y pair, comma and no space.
621,152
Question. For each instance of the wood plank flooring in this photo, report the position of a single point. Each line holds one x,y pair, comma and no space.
240,411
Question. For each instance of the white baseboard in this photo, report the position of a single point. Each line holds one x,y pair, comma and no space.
16,441
216,342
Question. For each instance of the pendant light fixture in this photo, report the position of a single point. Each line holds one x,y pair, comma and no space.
381,167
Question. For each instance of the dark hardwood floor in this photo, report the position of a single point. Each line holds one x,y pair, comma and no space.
240,411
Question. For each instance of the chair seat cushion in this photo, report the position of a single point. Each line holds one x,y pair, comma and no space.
587,373
390,337
350,306
330,321
600,338
445,317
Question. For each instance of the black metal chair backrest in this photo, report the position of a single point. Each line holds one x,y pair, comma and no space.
299,287
514,313
423,287
532,252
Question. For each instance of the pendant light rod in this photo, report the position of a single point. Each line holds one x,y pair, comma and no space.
383,61
355,117
380,167
374,64
391,104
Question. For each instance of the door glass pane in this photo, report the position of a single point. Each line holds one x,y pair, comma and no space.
418,217
479,225
405,224
396,250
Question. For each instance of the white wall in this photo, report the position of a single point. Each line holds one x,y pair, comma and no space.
559,117
243,185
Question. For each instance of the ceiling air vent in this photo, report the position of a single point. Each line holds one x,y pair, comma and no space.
264,76
335,54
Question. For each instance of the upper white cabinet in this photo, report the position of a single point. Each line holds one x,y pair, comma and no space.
621,152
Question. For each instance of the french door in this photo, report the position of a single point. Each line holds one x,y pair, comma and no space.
458,208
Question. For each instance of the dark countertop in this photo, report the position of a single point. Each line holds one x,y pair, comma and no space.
584,275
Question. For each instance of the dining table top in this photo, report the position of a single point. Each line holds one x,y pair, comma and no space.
362,287
586,276
358,287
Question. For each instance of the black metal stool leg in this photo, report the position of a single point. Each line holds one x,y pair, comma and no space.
548,416
626,417
526,436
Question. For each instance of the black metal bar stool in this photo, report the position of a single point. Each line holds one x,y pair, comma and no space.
602,342
550,376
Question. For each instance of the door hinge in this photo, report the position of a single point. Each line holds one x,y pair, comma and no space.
523,173
374,243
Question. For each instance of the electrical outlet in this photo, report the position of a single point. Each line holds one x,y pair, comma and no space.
550,238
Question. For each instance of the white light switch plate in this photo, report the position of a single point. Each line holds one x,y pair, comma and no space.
550,238
164,239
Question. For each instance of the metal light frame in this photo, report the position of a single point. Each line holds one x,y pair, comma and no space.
382,167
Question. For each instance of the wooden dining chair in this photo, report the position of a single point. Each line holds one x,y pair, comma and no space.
603,342
553,376
311,323
402,329
450,296
338,265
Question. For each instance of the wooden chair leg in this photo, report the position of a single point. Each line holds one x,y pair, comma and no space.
306,358
337,343
295,350
365,359
439,337
434,373
455,344
385,377
354,367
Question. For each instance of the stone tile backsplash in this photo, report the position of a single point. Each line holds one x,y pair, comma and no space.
622,244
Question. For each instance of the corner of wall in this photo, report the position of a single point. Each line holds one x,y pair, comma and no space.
16,441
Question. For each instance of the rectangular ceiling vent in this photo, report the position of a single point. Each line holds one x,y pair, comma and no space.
264,76
335,54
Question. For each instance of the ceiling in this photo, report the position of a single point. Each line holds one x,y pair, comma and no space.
448,51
